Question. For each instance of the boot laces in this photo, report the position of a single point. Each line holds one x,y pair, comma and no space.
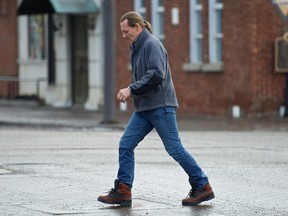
191,192
114,193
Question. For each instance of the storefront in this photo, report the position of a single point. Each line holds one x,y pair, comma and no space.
60,42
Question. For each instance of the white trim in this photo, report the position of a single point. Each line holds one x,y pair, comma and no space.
139,8
195,36
156,10
23,38
213,34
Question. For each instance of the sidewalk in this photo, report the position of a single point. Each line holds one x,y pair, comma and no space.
30,114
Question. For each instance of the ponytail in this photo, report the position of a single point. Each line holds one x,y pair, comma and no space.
148,26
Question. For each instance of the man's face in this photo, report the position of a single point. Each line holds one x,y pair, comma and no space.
128,32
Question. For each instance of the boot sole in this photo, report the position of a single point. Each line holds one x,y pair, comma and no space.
209,197
125,203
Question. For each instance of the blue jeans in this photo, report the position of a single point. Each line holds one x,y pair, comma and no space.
164,121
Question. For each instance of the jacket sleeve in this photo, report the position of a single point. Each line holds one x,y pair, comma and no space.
155,59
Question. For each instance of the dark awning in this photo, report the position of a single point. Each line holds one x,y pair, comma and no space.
57,6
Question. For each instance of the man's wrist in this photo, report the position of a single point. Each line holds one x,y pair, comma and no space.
130,90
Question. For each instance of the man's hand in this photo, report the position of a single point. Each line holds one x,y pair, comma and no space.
123,94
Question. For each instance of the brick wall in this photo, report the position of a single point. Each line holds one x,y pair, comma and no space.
122,47
8,44
248,79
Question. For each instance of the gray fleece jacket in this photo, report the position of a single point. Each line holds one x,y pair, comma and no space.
152,85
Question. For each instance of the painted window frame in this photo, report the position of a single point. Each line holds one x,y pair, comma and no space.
157,23
196,32
215,62
215,31
140,8
157,11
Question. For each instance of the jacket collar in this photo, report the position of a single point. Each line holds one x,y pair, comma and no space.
140,40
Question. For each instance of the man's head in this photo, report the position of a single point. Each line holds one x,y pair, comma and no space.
132,24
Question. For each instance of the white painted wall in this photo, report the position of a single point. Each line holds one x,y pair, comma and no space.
96,64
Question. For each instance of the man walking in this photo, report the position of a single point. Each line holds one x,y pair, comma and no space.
155,101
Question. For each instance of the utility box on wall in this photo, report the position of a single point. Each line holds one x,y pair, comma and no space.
281,53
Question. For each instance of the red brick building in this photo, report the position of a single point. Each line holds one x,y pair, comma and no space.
8,46
245,75
221,55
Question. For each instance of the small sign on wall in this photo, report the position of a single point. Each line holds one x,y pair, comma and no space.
281,53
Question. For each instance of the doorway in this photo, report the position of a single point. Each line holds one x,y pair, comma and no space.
79,60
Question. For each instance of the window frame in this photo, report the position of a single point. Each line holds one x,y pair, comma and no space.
195,36
140,9
156,9
213,63
215,55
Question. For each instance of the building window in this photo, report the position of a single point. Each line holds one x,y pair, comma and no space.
157,15
158,18
140,7
36,37
198,61
196,35
215,31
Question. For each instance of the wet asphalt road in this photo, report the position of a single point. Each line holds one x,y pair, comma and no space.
62,171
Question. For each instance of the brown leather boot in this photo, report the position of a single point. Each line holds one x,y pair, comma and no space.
198,195
120,194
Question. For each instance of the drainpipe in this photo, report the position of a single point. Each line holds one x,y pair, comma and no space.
109,60
51,52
